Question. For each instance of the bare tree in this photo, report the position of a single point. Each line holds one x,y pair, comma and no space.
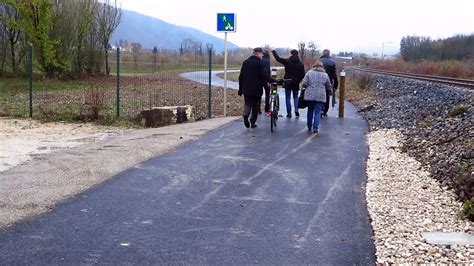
108,19
155,59
302,49
199,48
136,48
3,46
210,47
313,48
187,45
9,17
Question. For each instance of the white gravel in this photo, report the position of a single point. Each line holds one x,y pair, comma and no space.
404,201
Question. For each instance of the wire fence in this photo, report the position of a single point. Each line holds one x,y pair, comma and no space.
138,80
152,80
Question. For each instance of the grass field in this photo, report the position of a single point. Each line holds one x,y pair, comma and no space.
95,96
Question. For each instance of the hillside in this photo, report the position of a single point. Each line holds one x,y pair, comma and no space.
151,32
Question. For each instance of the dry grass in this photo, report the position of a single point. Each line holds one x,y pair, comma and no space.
358,88
449,68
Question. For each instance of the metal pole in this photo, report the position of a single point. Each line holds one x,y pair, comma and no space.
383,44
225,75
118,82
383,48
30,77
209,107
342,90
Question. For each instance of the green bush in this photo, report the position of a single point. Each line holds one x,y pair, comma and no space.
467,211
458,110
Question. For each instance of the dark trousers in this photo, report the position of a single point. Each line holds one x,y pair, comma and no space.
251,107
288,99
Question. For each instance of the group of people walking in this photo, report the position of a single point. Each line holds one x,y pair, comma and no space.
317,84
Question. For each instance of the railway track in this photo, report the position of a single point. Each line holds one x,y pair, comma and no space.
467,83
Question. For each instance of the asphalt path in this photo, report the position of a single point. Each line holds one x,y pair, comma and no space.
236,196
203,77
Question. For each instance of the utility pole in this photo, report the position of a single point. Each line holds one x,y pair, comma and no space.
383,45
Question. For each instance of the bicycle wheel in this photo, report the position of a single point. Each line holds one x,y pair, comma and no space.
272,115
275,118
277,107
272,121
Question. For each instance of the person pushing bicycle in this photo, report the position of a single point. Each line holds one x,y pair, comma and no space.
252,79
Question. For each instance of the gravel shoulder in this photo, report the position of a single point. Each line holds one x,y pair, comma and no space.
44,179
419,167
404,201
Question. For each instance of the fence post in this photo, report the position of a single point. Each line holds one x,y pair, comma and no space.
209,106
118,82
30,77
342,90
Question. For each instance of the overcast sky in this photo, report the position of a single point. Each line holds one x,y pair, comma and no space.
340,25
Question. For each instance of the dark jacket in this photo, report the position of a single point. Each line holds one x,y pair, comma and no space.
266,63
330,67
253,77
294,70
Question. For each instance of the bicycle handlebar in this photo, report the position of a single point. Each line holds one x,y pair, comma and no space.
281,81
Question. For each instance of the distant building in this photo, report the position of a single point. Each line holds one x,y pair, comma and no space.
344,59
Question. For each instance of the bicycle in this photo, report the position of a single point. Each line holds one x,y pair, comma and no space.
275,102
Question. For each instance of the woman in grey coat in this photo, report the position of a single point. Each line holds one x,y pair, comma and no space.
317,85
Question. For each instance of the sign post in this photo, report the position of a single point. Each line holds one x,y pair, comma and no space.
225,23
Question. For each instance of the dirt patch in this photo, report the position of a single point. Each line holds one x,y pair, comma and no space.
23,139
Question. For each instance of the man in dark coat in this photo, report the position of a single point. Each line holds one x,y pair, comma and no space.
294,70
330,68
252,78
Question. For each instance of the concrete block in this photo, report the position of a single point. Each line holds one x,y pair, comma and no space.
167,115
442,238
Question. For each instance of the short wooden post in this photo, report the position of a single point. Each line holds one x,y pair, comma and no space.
342,89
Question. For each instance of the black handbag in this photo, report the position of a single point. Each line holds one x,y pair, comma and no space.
302,103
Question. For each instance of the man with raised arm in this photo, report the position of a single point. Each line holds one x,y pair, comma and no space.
294,70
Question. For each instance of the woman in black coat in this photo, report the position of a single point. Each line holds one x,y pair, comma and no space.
294,70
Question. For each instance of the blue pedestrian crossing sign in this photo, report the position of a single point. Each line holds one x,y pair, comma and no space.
226,22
